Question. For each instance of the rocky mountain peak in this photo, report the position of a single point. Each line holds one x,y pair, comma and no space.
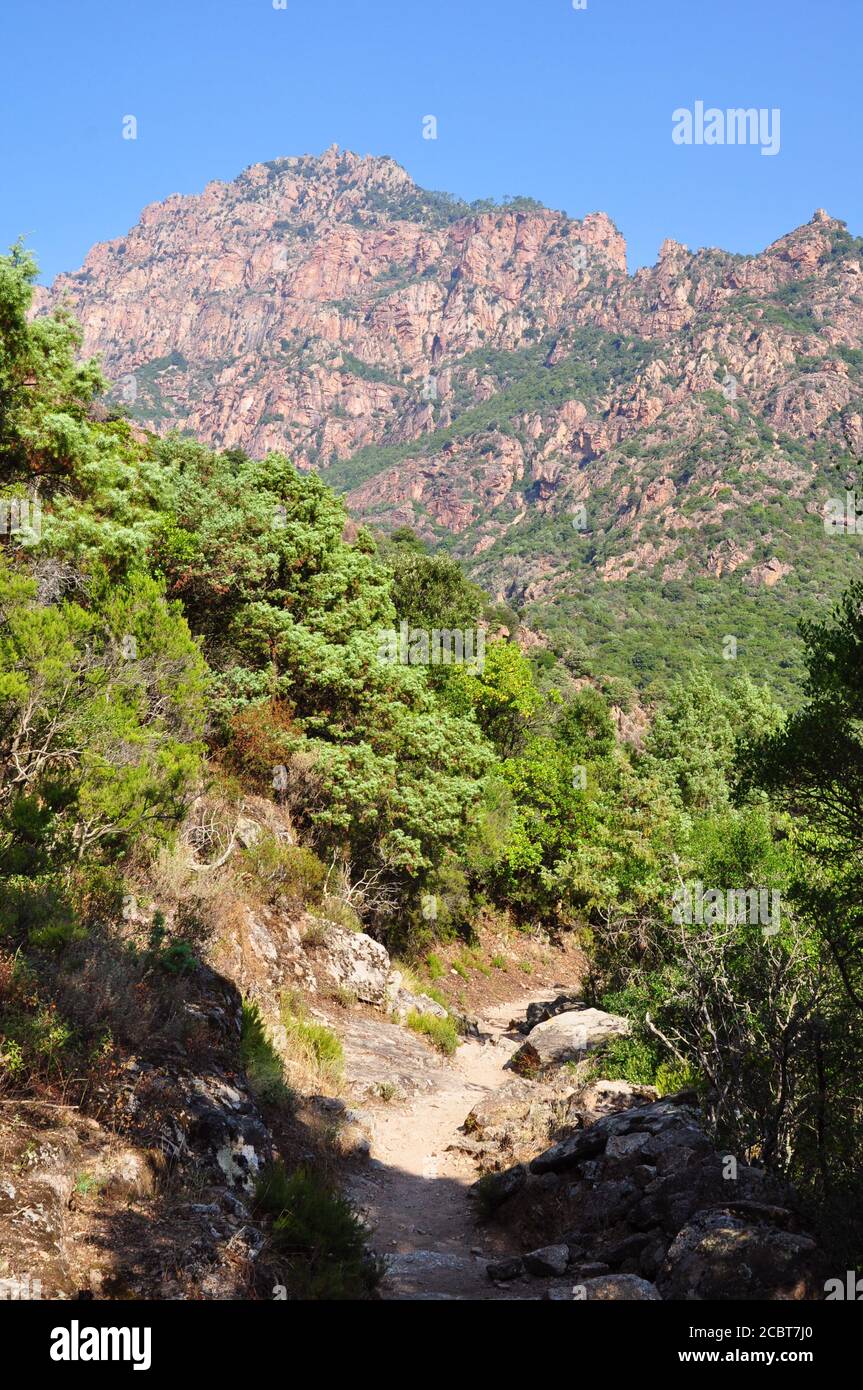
477,370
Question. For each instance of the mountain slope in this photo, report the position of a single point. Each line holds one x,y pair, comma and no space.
636,460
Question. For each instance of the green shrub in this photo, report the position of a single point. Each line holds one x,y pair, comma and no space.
87,1185
670,1078
34,1040
39,911
435,966
487,1198
636,1060
176,957
318,1234
472,960
275,870
441,1032
437,995
12,1062
335,911
627,1059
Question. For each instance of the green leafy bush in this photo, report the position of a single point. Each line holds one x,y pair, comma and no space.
275,869
318,1235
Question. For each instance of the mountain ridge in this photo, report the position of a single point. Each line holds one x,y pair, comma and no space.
493,377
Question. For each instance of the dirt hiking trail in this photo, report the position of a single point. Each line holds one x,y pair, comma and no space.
414,1191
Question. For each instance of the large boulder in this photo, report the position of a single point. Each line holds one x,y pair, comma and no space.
516,1118
493,1189
740,1252
549,1261
355,962
566,1038
610,1097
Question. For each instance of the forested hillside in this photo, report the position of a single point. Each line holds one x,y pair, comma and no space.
186,634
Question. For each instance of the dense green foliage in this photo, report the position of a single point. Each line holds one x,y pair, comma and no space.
187,616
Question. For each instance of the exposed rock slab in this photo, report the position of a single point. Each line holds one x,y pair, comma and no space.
380,1054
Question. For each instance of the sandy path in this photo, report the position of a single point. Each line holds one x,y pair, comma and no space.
414,1190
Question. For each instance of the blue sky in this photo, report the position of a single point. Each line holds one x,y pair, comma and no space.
531,96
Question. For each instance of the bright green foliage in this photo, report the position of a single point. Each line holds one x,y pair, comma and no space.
291,614
441,1032
695,734
503,696
314,1043
553,815
432,591
568,824
44,392
813,768
262,1062
99,491
102,687
98,747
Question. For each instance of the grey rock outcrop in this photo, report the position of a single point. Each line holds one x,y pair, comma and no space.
550,1260
744,1253
401,1002
566,1037
355,962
